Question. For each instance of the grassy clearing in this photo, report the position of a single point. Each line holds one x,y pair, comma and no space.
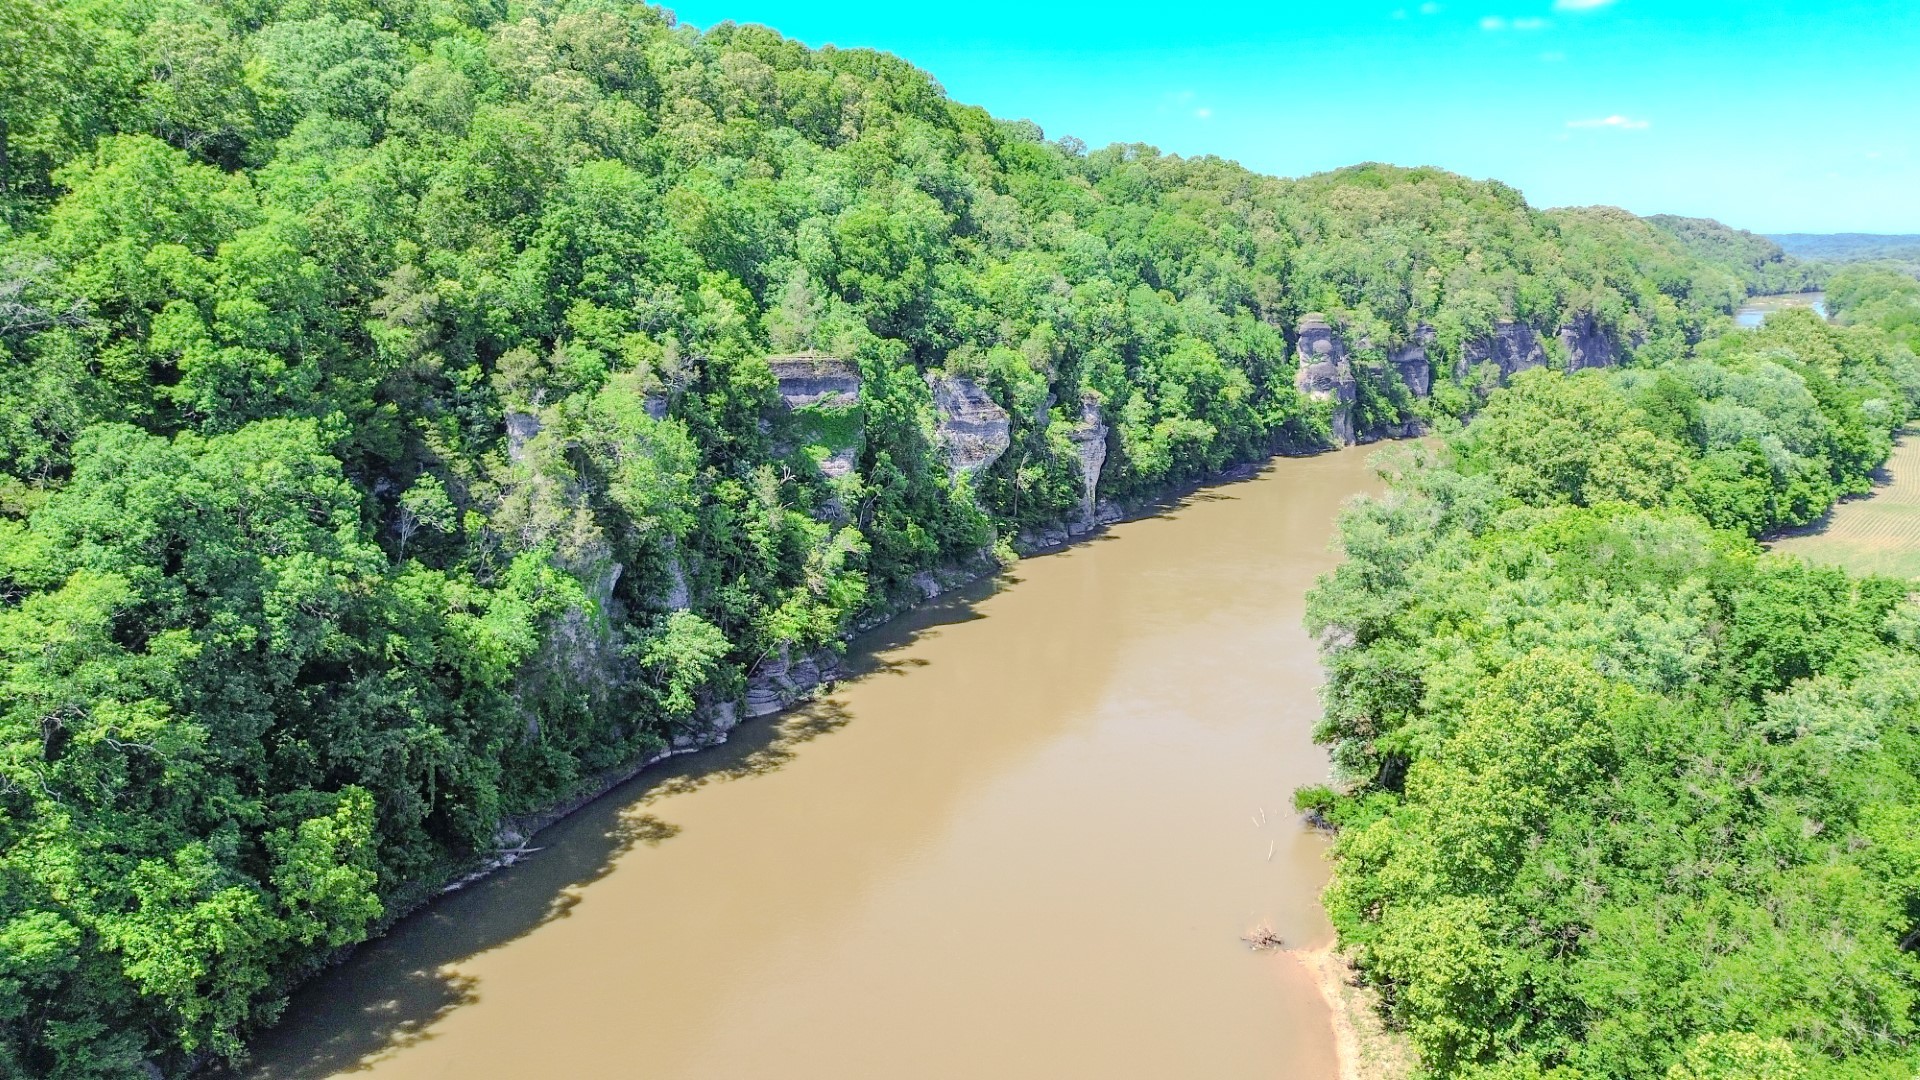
1879,533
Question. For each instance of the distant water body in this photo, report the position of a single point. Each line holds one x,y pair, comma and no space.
1755,310
1022,842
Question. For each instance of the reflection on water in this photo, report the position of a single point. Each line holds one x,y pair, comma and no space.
1756,309
1023,841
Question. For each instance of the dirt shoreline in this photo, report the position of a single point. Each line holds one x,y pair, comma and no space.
1364,1047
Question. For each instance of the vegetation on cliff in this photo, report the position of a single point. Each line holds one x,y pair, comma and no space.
388,443
1622,795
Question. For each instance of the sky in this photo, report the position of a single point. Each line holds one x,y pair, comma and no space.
1771,116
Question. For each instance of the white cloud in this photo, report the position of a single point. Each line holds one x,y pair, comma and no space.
1203,113
1429,8
1493,22
1616,122
1554,57
1579,5
1530,24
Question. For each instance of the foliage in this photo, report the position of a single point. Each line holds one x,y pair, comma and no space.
387,444
1618,793
1760,262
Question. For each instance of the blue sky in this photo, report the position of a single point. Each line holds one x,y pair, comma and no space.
1772,116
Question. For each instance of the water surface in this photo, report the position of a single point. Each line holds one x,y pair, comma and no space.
1025,843
1757,308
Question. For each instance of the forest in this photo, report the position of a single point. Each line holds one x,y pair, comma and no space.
1622,794
389,448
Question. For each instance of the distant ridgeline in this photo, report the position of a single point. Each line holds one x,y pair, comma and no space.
1851,247
413,415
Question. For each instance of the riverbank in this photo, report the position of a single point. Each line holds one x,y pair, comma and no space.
1097,745
1366,1048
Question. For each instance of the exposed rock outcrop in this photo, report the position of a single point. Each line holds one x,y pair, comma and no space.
822,392
521,429
815,380
974,431
1513,347
780,681
1325,374
1412,363
1587,343
1090,440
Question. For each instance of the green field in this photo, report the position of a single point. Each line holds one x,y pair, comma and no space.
1879,533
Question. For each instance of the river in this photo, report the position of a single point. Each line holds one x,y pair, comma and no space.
1755,311
1023,842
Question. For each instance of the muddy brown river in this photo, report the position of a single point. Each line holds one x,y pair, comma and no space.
1024,842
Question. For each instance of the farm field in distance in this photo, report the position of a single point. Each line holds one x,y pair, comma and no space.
1879,533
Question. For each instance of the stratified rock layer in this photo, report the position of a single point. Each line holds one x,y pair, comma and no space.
821,387
973,430
817,381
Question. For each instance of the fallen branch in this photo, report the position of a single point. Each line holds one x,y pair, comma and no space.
1263,938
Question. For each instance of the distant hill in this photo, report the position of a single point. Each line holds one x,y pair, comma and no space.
1764,265
1850,247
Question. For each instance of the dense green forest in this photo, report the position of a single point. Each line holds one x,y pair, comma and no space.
1622,795
1762,264
1877,296
389,444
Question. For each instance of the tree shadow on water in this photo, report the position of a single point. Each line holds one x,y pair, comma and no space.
391,992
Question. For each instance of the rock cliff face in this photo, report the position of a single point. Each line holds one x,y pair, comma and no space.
813,380
1325,374
1513,347
780,681
973,431
1090,438
823,393
1587,343
521,429
1412,363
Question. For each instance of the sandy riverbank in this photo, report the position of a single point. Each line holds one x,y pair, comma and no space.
1366,1048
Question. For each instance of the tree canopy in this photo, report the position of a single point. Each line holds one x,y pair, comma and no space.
388,445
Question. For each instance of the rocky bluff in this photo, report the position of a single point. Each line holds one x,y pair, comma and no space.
821,410
1331,373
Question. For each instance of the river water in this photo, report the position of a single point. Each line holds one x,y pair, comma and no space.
1024,842
1756,309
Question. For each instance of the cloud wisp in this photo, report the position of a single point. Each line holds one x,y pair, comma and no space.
1496,23
1616,122
1579,5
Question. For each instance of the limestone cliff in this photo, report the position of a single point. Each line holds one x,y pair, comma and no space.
816,380
973,431
1513,347
822,393
521,429
1090,441
1411,362
1325,374
780,680
1587,343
